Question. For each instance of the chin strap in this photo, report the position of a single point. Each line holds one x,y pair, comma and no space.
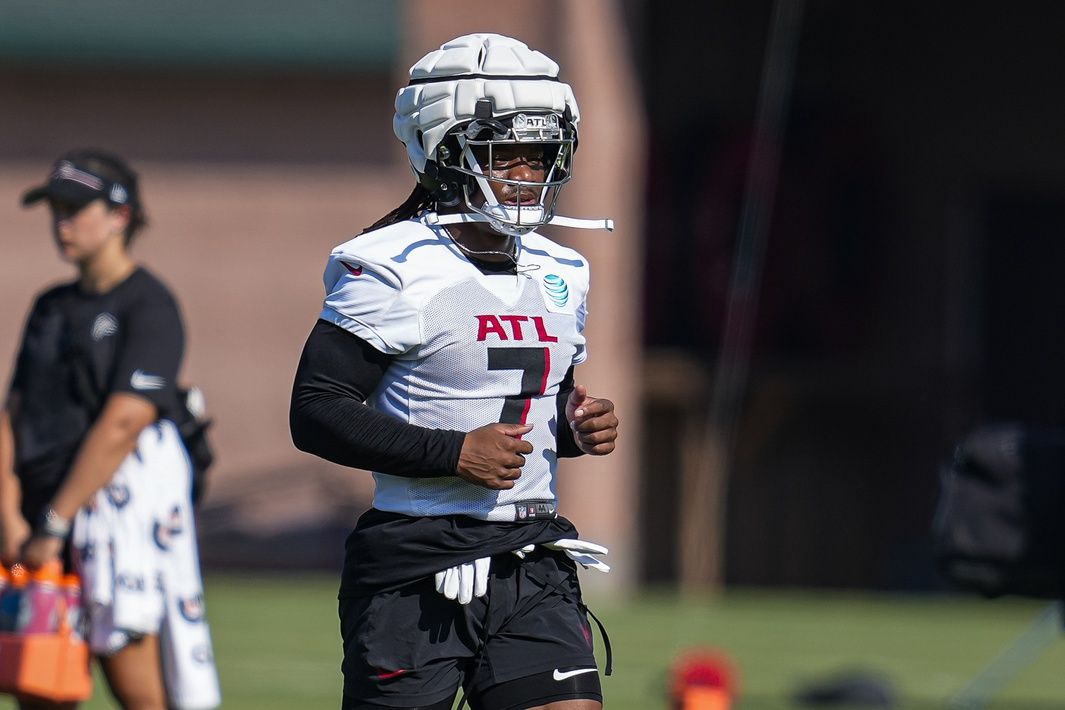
434,218
578,223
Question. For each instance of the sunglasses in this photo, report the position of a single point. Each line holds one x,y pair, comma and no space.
64,209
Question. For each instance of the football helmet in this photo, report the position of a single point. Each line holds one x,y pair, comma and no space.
476,93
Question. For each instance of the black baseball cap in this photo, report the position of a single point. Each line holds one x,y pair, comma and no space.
83,176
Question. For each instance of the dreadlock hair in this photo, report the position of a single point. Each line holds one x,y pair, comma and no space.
419,200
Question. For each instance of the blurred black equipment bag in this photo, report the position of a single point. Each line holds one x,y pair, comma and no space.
1000,522
193,424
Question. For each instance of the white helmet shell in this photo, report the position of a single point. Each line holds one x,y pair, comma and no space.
447,83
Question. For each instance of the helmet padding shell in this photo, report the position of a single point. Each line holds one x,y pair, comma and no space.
446,85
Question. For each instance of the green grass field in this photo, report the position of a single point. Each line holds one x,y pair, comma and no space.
277,645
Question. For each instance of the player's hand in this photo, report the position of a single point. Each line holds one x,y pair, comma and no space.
492,455
14,532
40,550
593,422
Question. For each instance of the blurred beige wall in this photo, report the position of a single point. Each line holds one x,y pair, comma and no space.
246,200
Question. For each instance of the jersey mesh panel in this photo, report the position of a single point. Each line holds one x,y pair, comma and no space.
450,386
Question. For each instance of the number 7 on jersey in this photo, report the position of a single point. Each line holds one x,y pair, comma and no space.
534,364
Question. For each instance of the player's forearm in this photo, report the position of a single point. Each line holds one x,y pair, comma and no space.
565,445
347,432
327,418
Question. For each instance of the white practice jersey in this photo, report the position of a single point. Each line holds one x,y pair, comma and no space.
469,349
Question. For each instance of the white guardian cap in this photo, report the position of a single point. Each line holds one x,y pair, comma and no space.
475,93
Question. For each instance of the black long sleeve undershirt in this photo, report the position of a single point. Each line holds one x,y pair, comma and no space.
327,417
565,445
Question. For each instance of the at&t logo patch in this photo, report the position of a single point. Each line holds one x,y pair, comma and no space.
556,290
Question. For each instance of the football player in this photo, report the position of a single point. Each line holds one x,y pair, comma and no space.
460,326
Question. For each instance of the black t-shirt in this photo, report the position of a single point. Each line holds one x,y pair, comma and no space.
78,348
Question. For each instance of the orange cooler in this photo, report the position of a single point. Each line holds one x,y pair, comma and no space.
51,665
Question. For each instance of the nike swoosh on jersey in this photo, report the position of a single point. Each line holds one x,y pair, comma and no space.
140,380
562,675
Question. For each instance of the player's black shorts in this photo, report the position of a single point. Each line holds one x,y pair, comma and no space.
414,647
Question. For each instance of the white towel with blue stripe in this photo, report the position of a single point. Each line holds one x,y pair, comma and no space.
135,548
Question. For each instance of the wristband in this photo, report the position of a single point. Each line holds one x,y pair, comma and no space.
51,524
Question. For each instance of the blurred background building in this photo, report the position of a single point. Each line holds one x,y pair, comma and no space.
911,276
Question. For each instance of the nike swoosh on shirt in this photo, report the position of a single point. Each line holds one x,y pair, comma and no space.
140,380
562,675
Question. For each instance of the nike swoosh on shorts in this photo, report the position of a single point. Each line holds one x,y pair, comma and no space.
562,675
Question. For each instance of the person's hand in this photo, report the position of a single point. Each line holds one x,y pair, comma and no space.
14,531
592,419
492,455
464,582
39,550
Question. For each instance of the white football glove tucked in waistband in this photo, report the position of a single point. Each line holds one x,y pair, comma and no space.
464,582
582,552
470,579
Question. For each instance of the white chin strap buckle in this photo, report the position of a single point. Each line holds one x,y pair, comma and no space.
434,218
577,223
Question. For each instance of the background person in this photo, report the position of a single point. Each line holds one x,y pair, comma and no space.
92,467
460,326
